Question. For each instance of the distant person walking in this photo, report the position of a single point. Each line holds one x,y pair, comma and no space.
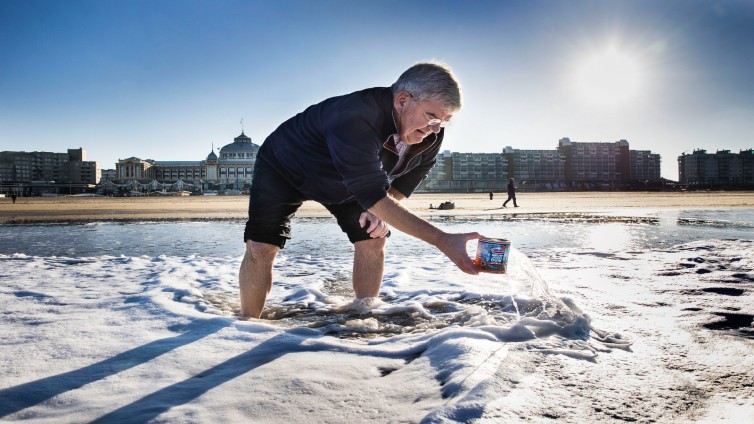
511,193
491,194
13,198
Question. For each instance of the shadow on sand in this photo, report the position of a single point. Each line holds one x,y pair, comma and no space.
152,405
23,396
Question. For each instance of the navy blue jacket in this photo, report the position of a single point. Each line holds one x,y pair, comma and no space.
342,150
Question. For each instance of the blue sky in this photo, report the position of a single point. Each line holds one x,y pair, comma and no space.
166,80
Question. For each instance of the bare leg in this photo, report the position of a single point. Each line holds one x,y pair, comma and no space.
255,277
368,267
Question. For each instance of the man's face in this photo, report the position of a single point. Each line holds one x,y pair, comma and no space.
414,118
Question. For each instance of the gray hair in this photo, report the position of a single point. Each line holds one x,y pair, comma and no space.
431,80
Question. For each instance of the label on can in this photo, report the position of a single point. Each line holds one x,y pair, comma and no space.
492,255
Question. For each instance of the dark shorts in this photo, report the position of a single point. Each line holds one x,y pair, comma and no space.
274,201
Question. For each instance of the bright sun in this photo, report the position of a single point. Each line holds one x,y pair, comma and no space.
609,78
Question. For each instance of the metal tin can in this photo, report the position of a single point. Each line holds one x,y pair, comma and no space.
492,255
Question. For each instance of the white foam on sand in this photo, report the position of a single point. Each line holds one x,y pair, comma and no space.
133,339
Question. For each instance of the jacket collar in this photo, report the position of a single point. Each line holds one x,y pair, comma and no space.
428,142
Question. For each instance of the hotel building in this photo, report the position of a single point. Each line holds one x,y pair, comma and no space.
231,170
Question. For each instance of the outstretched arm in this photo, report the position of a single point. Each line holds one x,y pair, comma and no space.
453,245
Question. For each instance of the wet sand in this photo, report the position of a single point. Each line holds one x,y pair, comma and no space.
72,209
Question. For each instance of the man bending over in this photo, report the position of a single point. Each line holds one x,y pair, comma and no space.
359,155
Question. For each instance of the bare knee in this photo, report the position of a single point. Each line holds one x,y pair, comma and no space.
257,262
371,246
260,253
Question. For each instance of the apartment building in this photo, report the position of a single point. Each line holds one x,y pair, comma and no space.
719,169
572,166
29,173
537,169
468,172
644,165
593,163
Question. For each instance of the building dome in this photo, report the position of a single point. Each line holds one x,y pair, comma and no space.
212,155
240,149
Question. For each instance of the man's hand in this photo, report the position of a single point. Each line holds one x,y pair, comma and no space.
451,244
377,228
454,247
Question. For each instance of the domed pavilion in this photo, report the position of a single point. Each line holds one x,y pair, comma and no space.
231,169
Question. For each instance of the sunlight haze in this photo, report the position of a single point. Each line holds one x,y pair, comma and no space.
609,78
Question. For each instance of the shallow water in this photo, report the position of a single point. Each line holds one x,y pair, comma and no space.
602,232
197,262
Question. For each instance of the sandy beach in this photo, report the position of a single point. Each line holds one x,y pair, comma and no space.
69,209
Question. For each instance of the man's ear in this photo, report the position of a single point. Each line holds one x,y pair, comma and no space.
401,100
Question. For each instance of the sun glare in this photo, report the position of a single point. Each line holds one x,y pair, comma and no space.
609,78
